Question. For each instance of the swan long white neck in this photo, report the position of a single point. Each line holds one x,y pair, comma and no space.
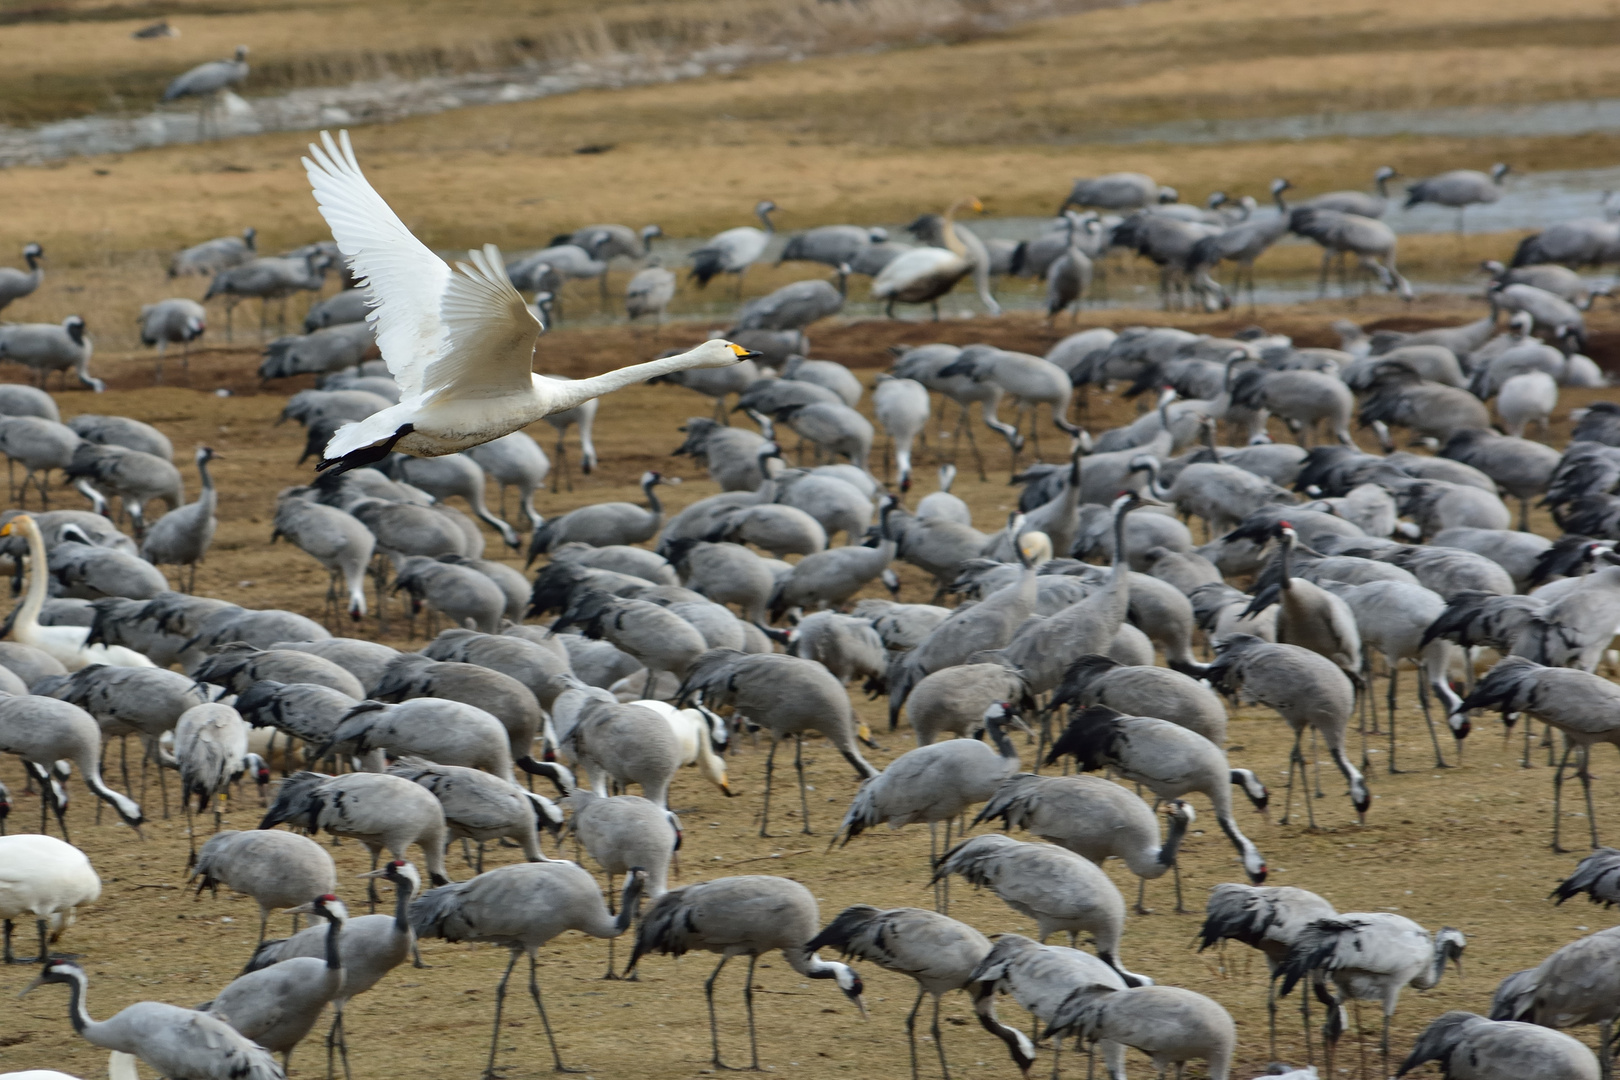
568,394
27,621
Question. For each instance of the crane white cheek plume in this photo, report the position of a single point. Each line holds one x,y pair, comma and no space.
459,343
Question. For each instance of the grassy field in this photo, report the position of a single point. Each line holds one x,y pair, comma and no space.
1465,847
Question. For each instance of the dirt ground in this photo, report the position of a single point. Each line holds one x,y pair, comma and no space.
1465,846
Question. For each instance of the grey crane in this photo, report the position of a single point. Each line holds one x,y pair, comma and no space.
16,399
379,810
522,907
1060,890
1369,957
335,539
1371,241
1269,918
1309,615
277,869
89,572
1579,704
1171,761
787,696
1094,818
1113,191
370,947
403,530
16,284
1094,679
655,636
832,245
1301,399
623,834
1308,690
207,81
1169,1024
649,292
185,1044
1031,381
941,504
270,278
1459,189
1361,203
1398,395
742,916
462,593
1167,243
365,660
211,256
348,306
1520,467
1595,876
448,732
183,536
1470,1047
328,350
135,476
735,250
411,675
261,628
936,951
1576,985
178,319
828,579
1068,277
827,374
478,806
792,307
515,460
42,731
1528,397
624,744
277,1006
583,417
40,445
453,475
48,347
1557,315
726,574
955,699
735,457
1243,244
529,663
1519,553
1223,495
1040,978
834,428
925,363
936,783
901,407
601,524
845,645
211,747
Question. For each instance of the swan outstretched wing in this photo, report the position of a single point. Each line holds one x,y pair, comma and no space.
491,332
407,281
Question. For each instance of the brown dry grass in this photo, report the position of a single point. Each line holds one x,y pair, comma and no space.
1464,847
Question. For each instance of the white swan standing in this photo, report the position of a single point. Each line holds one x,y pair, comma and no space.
459,343
66,643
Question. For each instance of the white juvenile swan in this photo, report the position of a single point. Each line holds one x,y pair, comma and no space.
459,343
66,643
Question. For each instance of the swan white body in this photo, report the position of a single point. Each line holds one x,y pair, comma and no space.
459,343
65,643
43,877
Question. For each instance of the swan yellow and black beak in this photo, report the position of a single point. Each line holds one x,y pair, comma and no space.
745,353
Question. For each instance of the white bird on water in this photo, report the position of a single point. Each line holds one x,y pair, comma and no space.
459,343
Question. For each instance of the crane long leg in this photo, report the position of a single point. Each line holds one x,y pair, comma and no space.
1428,718
939,1042
534,992
765,812
911,1030
1394,671
1586,785
714,1030
500,1002
804,796
748,1000
1558,793
337,1038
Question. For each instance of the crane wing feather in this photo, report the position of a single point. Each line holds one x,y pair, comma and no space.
407,281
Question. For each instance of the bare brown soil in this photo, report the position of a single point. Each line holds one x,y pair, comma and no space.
1464,846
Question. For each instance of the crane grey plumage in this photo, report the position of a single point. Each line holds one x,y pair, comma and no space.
741,916
16,284
183,536
792,307
379,810
521,908
1459,188
178,319
335,539
238,666
936,783
448,732
829,579
735,250
1093,818
213,255
648,292
1171,761
41,445
184,1044
627,744
1040,978
277,869
936,951
479,806
123,431
330,350
1307,689
515,460
83,571
1581,705
1113,191
48,347
277,1006
1169,1024
1470,1047
1369,957
657,637
831,245
786,696
370,947
207,81
1269,918
1578,984
531,664
845,645
601,524
211,747
625,833
135,476
1143,691
348,306
461,593
268,278
1057,888
1371,241
411,675
448,476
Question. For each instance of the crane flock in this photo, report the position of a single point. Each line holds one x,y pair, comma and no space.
652,638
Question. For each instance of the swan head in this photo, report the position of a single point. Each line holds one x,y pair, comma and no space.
719,352
20,523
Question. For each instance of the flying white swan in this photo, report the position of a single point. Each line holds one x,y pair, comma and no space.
459,343
66,643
